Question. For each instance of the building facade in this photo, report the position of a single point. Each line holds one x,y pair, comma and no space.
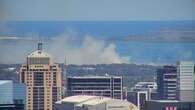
19,93
194,82
185,71
138,98
108,86
167,83
42,78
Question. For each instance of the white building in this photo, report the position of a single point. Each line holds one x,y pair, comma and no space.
144,86
185,71
84,102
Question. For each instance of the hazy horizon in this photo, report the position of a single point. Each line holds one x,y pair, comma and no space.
102,31
96,42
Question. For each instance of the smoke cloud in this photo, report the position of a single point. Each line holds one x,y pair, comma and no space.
90,51
87,50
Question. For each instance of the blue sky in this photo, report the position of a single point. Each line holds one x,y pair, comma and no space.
97,10
155,23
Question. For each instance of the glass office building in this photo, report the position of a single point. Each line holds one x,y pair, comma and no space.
12,95
6,92
19,93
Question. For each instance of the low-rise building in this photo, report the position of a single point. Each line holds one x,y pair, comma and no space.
142,92
84,102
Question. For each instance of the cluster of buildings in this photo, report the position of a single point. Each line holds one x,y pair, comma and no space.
43,87
174,89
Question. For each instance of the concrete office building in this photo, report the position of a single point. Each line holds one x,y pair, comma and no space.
167,83
108,86
185,71
43,80
168,105
83,102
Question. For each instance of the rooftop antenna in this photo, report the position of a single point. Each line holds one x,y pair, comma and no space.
40,44
65,68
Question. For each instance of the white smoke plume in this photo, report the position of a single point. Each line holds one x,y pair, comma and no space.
88,51
91,51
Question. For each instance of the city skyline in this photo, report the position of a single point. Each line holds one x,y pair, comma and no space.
97,55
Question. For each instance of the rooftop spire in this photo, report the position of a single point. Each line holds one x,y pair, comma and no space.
40,46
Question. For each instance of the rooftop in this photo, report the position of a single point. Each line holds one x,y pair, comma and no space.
76,99
95,77
97,100
165,101
39,54
88,101
5,81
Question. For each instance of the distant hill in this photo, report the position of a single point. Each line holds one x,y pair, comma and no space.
132,73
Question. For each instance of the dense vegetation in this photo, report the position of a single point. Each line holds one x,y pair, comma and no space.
131,73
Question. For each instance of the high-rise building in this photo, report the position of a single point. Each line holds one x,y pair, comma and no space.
194,83
167,83
186,76
108,86
43,80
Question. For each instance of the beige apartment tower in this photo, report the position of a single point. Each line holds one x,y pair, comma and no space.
43,80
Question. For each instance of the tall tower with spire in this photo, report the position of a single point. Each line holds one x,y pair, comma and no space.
43,80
